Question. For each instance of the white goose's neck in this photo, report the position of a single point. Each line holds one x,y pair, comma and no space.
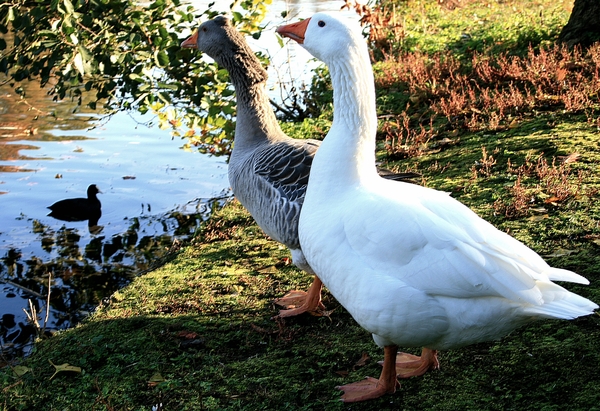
348,151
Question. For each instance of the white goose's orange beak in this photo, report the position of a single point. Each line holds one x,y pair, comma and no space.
295,31
190,42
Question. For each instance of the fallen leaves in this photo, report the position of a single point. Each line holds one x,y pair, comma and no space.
156,379
560,252
20,370
268,270
190,339
362,361
64,368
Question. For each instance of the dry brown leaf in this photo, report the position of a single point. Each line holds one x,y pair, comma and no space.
552,200
262,330
571,158
363,360
561,252
268,270
321,313
188,335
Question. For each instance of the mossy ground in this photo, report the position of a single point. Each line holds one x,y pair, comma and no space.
197,333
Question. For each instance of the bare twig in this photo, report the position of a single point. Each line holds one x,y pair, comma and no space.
47,304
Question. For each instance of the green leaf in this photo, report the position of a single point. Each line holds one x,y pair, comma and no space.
85,53
163,33
21,370
78,62
161,58
168,86
68,6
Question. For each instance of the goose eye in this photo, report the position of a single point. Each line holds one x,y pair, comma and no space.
321,23
204,29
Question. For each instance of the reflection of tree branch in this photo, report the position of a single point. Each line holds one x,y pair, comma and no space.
31,107
27,290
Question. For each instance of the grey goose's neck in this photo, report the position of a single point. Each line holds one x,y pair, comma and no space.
255,120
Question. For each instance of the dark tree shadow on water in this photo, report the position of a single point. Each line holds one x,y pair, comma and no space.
83,275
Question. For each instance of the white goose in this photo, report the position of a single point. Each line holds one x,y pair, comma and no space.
268,171
413,266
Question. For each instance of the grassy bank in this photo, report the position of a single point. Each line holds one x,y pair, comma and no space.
197,333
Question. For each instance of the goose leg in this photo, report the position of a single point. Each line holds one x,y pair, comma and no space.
370,388
298,302
408,365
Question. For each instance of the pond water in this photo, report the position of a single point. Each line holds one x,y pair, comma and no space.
154,194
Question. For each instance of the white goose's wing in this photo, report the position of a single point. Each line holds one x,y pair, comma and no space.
444,248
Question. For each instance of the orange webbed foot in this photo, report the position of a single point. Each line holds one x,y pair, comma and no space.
297,302
370,388
408,365
366,389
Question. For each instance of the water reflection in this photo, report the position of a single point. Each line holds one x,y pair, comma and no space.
85,272
52,150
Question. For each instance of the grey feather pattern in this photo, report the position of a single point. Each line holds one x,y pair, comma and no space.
286,166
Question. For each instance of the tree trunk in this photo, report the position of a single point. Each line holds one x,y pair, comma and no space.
583,27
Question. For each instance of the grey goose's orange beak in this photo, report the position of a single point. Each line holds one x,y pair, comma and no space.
295,31
190,42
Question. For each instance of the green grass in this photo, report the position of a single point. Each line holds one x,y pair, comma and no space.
201,327
197,333
493,26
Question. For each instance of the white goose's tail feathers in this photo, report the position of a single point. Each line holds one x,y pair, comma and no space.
559,274
560,303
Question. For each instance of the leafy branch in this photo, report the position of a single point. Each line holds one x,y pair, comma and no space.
121,55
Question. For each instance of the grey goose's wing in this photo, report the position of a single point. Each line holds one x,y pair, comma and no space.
286,167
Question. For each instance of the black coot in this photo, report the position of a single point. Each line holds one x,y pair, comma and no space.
78,209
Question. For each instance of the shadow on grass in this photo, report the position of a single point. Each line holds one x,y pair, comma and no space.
227,355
